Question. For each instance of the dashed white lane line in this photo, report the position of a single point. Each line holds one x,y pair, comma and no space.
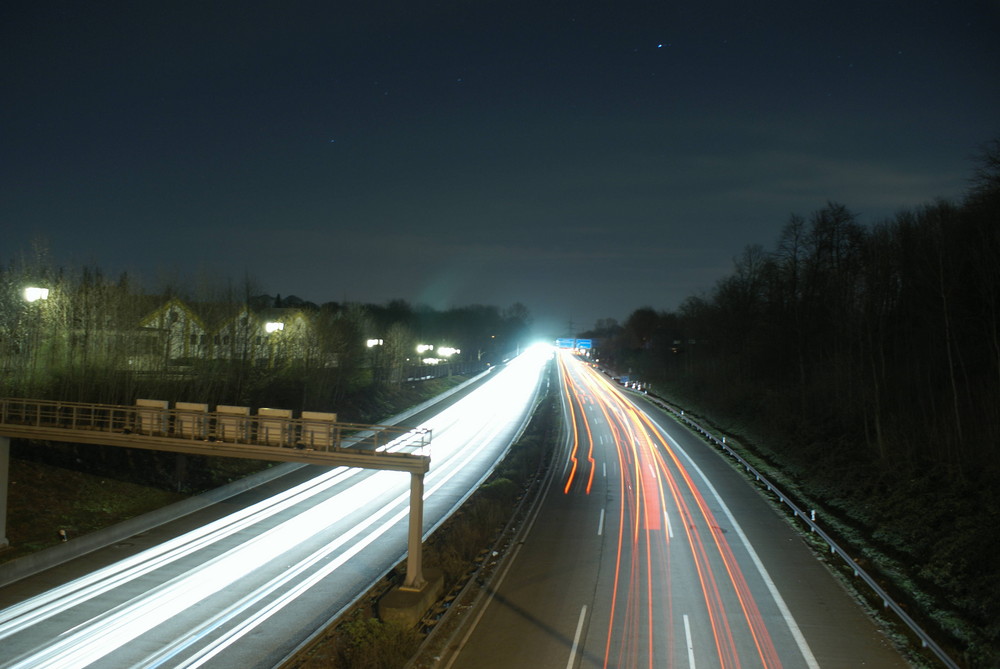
576,638
690,644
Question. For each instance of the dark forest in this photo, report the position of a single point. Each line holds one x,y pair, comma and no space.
865,363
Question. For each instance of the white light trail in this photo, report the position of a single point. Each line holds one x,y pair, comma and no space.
16,618
462,434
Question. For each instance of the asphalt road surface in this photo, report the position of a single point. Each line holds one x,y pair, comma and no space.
650,550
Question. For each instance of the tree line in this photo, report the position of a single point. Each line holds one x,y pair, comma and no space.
868,359
97,338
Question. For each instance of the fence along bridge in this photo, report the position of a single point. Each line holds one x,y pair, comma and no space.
228,431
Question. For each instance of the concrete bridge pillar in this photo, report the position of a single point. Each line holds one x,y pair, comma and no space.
408,603
415,545
4,486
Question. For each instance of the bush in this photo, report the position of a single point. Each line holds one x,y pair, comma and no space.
369,643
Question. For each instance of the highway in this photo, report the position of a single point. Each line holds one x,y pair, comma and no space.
246,581
649,550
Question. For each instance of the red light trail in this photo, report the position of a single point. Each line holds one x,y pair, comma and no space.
654,485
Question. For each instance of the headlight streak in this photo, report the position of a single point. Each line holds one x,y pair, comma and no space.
650,470
29,612
109,631
438,477
491,412
442,476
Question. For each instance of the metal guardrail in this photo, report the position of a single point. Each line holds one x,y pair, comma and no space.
216,426
810,520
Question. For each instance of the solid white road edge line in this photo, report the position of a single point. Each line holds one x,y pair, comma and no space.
779,601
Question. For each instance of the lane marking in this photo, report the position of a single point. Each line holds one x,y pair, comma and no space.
604,466
687,635
576,638
779,601
600,524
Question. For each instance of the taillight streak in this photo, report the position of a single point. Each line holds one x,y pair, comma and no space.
649,470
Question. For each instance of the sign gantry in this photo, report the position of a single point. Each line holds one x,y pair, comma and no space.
227,431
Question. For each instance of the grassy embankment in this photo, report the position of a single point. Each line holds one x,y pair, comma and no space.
929,542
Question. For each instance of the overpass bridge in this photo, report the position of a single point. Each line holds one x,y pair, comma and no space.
228,431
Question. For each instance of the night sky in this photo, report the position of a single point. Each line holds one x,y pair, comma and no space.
583,158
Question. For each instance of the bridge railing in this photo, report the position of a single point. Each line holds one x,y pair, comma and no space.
313,430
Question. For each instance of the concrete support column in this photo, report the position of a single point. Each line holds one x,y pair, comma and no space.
4,486
415,545
410,601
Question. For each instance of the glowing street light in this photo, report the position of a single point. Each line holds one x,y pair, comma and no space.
273,326
422,348
447,351
374,342
33,294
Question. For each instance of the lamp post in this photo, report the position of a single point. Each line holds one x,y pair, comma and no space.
270,328
375,358
33,294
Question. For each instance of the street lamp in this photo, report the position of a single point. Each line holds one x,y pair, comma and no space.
35,324
271,327
33,294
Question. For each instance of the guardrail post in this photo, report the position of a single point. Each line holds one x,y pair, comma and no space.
414,547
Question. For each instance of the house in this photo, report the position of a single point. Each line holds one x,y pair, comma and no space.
178,333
